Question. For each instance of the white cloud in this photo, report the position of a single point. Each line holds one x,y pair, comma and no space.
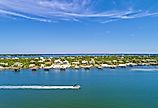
72,10
23,16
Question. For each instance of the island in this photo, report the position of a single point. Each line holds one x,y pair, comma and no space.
19,62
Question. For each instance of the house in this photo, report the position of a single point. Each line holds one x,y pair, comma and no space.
1,67
66,64
92,61
122,65
17,64
15,58
58,62
42,66
105,65
40,61
84,62
4,64
75,63
32,65
32,61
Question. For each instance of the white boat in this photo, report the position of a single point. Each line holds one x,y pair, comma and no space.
77,67
99,67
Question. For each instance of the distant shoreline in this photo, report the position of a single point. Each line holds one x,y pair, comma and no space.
77,54
76,62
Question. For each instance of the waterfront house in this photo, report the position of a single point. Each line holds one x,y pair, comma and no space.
75,64
31,65
131,64
86,66
77,67
58,62
42,65
1,67
66,64
105,65
122,65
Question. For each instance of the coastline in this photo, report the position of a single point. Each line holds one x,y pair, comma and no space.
76,62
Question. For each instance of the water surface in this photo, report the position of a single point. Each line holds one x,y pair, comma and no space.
107,88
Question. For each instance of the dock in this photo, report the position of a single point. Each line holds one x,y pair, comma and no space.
35,87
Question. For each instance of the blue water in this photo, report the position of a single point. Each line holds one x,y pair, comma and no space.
63,55
107,88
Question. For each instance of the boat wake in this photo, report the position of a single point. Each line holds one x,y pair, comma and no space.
40,87
144,69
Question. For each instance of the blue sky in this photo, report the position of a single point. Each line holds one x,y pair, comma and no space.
78,26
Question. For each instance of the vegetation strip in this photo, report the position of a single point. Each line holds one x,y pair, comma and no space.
76,62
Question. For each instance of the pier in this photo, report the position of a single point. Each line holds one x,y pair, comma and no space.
75,87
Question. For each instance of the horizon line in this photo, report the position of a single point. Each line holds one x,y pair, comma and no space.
69,53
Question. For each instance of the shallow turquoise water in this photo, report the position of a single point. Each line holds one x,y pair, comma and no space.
108,88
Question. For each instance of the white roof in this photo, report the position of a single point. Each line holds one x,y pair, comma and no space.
84,61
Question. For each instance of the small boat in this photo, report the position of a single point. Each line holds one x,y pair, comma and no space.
87,67
122,65
76,86
100,67
77,67
113,66
46,68
16,69
62,68
34,69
